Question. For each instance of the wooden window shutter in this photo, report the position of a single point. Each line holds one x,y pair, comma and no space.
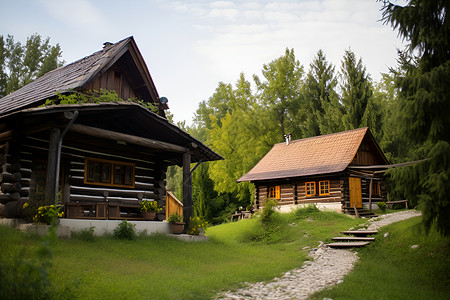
277,192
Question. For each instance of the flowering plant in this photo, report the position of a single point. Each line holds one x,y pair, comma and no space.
147,205
47,214
197,226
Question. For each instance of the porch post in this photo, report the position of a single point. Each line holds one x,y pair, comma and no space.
50,186
187,188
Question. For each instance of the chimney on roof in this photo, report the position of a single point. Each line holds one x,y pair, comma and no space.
288,138
106,45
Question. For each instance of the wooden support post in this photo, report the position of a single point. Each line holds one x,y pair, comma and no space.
370,192
187,188
50,187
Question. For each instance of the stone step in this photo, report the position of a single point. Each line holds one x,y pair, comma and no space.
347,244
359,232
353,238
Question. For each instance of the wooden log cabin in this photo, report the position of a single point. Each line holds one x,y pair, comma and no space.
101,159
341,167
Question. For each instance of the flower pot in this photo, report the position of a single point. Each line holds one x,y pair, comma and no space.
149,215
177,228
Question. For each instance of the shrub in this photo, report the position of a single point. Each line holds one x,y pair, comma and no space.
268,210
197,225
84,235
303,212
125,231
382,206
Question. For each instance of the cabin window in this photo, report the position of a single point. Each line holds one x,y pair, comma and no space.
107,172
274,192
310,188
376,189
324,187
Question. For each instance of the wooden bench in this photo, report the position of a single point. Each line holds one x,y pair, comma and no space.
390,204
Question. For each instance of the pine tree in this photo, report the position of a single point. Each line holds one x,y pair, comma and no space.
356,90
424,89
323,110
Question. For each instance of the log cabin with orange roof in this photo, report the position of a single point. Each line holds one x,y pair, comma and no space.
340,168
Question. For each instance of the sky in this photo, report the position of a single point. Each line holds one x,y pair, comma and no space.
190,46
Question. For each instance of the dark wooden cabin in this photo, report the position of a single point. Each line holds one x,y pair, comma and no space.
339,167
100,159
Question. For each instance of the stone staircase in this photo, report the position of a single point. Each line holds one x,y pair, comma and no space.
353,238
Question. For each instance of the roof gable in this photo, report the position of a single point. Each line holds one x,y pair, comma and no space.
79,74
324,154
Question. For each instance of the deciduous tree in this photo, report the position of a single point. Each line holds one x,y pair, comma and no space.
21,64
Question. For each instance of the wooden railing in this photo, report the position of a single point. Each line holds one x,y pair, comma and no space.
173,205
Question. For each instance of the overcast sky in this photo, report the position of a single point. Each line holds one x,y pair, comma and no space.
190,46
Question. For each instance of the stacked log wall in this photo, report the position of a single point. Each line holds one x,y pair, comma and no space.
75,190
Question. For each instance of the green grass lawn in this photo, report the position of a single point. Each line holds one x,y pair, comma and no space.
390,269
160,267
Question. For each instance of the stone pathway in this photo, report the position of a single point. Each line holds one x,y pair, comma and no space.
328,268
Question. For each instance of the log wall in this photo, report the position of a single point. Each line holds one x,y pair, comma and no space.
20,180
294,192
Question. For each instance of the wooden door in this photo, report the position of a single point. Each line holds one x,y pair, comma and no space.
355,192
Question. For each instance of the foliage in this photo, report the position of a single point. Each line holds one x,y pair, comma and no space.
147,205
175,218
303,212
21,64
125,231
197,226
323,110
95,96
382,206
268,210
422,80
84,235
356,92
47,214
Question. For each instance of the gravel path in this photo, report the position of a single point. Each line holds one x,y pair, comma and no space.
328,268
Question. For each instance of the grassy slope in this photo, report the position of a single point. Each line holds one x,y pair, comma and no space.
391,269
159,267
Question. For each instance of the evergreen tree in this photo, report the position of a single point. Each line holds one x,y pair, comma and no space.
424,89
356,91
323,110
20,65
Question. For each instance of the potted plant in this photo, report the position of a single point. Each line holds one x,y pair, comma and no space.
176,222
149,209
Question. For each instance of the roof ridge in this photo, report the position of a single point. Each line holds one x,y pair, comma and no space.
326,135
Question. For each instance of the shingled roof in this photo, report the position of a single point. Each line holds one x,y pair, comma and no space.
324,154
73,76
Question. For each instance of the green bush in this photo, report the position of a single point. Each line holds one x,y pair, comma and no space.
84,235
303,212
268,210
125,231
382,206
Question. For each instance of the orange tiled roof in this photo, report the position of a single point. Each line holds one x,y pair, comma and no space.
323,154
